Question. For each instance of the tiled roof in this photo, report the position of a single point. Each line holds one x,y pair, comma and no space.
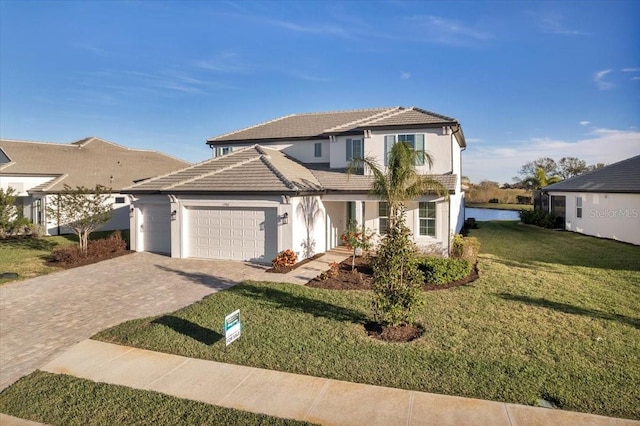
340,180
253,169
86,162
260,169
323,124
620,177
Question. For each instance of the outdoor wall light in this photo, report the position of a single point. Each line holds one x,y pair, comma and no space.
131,210
174,214
285,218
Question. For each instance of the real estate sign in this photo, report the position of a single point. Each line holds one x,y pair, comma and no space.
232,326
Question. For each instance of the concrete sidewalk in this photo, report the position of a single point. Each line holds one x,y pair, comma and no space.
318,400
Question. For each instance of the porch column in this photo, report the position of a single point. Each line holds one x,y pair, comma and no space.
359,211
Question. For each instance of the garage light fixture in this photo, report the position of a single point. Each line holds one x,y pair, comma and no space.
174,214
285,218
131,210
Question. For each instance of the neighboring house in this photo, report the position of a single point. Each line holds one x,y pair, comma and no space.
283,185
38,171
603,203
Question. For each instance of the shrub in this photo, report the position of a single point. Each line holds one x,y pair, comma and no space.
106,246
465,248
521,199
538,218
355,238
494,201
397,281
334,269
441,271
67,255
285,258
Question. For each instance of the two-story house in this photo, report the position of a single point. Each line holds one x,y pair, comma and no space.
283,184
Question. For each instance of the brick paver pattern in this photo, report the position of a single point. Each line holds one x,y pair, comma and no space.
42,317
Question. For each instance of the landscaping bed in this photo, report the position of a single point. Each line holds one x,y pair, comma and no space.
361,277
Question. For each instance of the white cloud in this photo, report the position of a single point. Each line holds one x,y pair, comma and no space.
436,29
630,69
405,75
600,81
226,62
553,23
501,163
585,122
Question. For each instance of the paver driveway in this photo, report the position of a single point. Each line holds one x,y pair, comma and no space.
41,317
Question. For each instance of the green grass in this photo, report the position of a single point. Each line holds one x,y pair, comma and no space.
499,206
60,399
28,257
554,316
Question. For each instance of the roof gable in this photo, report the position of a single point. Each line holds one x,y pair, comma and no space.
253,169
324,124
87,162
620,177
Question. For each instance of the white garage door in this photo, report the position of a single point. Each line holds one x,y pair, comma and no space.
233,233
156,228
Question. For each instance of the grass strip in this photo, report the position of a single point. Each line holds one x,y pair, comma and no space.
65,400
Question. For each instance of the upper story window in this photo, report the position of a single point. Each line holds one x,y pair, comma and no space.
578,207
219,151
317,149
119,200
427,218
355,149
415,141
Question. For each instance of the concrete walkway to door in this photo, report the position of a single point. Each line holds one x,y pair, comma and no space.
42,317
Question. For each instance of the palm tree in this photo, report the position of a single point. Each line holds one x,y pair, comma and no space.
400,181
540,180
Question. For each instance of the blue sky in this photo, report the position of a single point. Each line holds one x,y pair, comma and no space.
525,79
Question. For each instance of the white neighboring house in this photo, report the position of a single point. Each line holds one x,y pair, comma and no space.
38,171
283,184
604,203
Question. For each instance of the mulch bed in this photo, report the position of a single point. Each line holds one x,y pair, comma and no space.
361,279
285,269
89,260
396,334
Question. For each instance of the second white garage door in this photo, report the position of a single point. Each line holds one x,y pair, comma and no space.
232,233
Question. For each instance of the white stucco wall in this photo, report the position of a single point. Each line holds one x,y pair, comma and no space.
303,151
615,216
313,209
22,184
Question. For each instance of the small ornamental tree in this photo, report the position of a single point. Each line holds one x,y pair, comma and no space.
397,280
83,210
7,208
355,238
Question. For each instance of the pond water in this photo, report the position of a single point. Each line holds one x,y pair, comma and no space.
491,214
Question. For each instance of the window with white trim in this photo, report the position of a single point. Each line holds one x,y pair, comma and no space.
427,219
219,151
355,149
317,149
415,141
578,207
383,217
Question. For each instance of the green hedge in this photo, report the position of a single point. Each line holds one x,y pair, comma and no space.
538,218
440,271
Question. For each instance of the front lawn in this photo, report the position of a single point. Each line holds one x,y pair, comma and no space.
553,316
65,400
28,257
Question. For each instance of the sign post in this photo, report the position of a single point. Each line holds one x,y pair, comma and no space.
232,326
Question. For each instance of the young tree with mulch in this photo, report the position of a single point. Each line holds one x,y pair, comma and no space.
397,281
83,210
